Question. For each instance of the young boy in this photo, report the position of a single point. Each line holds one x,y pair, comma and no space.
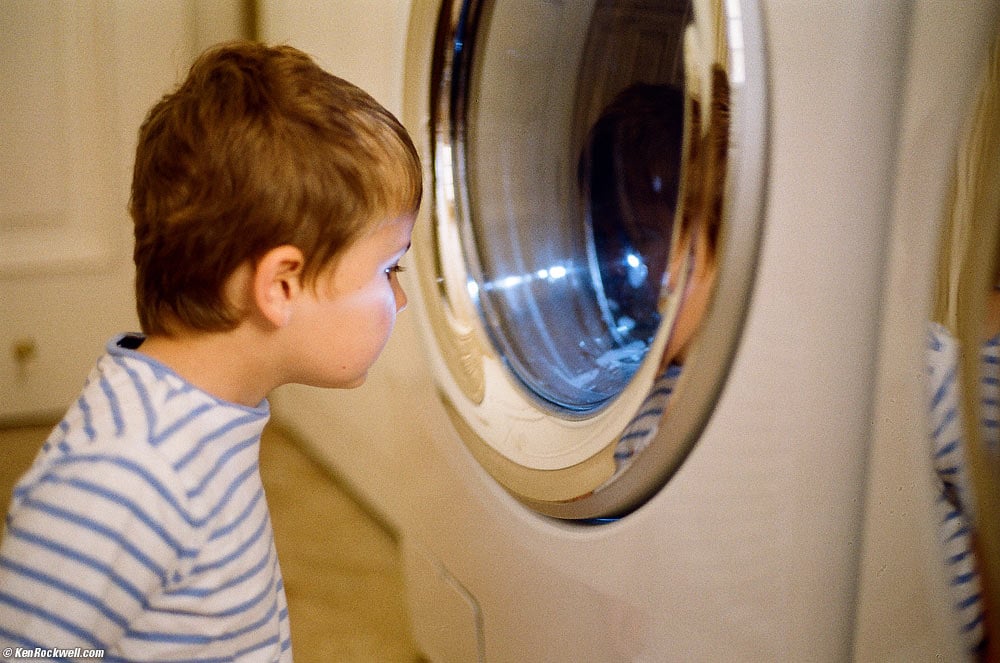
272,203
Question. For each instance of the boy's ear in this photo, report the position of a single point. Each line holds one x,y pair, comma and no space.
277,282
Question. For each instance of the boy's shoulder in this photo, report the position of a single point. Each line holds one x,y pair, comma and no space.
135,412
128,395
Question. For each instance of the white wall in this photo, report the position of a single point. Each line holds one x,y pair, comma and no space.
367,49
77,80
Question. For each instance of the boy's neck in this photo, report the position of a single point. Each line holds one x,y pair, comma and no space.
228,365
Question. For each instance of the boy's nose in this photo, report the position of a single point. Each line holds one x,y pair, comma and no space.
401,300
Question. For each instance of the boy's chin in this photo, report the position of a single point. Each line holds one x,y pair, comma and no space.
355,384
344,383
332,382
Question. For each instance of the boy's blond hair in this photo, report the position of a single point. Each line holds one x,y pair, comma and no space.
257,148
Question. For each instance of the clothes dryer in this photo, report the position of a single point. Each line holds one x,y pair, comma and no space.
628,414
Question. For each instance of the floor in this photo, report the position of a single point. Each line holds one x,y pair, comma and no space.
341,567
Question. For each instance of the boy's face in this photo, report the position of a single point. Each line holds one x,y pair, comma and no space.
345,321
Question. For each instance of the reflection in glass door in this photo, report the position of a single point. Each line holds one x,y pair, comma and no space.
582,227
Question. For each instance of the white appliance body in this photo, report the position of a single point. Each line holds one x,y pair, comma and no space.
753,548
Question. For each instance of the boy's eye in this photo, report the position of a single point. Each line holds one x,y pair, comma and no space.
395,269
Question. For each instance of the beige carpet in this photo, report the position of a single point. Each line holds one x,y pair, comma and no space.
341,568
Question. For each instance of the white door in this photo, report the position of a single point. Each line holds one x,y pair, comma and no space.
76,79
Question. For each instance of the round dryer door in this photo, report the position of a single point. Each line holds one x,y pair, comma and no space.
598,168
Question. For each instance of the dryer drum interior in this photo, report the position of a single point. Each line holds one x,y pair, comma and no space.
598,169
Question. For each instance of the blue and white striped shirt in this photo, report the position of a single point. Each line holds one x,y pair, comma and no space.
142,527
956,504
646,423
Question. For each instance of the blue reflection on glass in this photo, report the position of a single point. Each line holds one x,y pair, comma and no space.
549,274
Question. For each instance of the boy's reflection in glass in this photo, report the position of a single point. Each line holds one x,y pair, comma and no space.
632,176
